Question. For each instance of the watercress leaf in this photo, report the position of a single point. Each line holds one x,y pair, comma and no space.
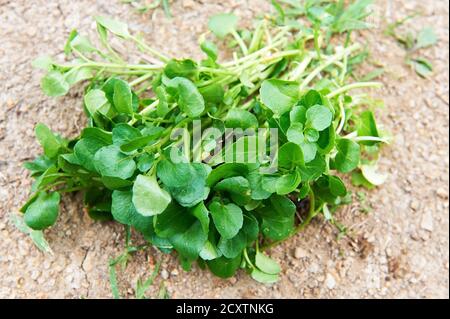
237,184
309,151
225,171
163,107
54,84
287,183
279,96
110,161
213,93
174,220
263,277
224,267
95,100
82,44
313,169
369,171
124,133
97,133
223,24
311,98
209,251
191,242
359,180
145,162
295,133
202,214
312,135
256,185
298,114
196,191
190,100
319,117
326,140
85,150
266,264
290,155
50,142
37,236
39,165
210,49
148,197
367,127
123,97
44,62
237,118
348,155
228,218
422,66
426,38
118,28
181,68
43,212
337,187
277,217
175,175
115,183
233,247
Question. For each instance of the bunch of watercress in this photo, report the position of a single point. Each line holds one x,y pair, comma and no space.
221,214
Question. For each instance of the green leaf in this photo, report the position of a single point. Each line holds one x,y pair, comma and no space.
39,165
372,176
326,140
191,242
243,119
95,100
190,100
311,98
44,62
256,185
54,84
295,133
174,220
181,68
85,150
43,212
233,247
262,277
319,117
148,197
124,133
422,66
426,38
223,24
313,169
277,217
110,161
213,93
348,155
290,155
123,98
145,162
309,151
237,184
225,171
228,219
175,175
116,27
312,135
202,214
210,49
279,96
49,141
367,127
337,187
266,264
282,185
37,236
209,251
224,267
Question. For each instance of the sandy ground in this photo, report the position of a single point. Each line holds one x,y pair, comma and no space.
398,250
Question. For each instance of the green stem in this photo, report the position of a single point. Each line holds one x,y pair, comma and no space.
240,42
141,43
353,86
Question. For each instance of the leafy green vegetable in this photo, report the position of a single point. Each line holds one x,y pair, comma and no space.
278,122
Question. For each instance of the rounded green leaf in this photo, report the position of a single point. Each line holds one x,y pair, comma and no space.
110,161
319,117
266,264
148,197
43,212
295,133
348,155
190,100
123,97
116,27
49,141
228,219
290,155
243,119
54,84
279,96
223,24
95,100
224,267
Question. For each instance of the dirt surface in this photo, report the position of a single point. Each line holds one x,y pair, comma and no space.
400,249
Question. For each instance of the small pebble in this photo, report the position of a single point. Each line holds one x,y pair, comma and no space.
330,281
164,274
427,221
300,253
